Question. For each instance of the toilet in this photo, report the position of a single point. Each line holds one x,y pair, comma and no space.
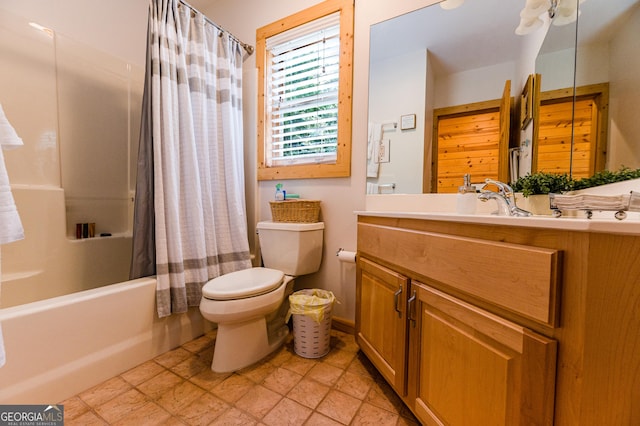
250,306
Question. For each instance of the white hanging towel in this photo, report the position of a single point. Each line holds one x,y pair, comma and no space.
10,224
373,149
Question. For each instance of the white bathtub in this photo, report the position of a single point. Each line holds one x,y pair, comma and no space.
59,347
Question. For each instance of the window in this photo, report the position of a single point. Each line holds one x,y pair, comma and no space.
304,93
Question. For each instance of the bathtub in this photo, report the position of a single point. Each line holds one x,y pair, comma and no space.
59,347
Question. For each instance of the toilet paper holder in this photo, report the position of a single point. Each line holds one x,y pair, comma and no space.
346,256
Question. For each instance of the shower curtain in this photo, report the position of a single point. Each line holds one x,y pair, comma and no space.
190,184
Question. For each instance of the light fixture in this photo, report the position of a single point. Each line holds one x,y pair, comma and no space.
528,25
535,8
451,4
565,12
560,12
47,31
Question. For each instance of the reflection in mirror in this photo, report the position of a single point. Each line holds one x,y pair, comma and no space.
418,57
433,60
606,81
608,54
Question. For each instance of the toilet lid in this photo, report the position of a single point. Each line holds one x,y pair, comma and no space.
243,284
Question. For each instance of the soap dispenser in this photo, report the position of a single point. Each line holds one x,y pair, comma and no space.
466,197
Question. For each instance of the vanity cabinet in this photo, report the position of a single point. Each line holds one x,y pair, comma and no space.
476,323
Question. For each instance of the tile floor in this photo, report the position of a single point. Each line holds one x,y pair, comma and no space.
179,388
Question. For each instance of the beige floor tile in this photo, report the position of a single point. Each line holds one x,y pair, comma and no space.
287,412
372,415
171,358
299,365
179,388
281,380
233,417
155,387
105,391
258,372
339,358
148,415
355,385
190,367
339,406
203,410
325,373
308,392
258,401
208,379
122,405
74,407
361,365
87,419
179,397
200,344
232,388
142,373
381,395
318,419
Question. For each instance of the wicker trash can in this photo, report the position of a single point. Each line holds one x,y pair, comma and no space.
311,310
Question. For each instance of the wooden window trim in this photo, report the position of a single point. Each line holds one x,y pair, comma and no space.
342,167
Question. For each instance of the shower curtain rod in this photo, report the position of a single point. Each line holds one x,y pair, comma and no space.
247,47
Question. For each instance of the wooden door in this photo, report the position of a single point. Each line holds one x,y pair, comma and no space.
381,331
474,368
474,139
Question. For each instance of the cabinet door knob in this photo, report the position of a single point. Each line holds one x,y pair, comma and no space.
396,296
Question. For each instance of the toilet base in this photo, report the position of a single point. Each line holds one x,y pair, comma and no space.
239,345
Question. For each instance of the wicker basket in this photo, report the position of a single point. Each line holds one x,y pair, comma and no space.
305,211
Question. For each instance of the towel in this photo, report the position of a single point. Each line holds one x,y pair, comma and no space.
10,224
373,149
372,188
8,137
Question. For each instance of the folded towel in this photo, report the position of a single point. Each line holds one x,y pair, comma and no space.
591,202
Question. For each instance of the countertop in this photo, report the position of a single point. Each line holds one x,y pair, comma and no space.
629,226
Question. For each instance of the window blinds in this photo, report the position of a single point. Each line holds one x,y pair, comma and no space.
302,82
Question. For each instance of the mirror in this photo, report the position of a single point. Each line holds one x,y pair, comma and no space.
420,59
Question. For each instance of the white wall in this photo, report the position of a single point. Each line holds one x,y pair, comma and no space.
397,87
624,126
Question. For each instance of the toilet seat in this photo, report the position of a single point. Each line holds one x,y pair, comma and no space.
243,284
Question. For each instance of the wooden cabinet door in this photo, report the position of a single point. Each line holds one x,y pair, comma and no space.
474,368
381,331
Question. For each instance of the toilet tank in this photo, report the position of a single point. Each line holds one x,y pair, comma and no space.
293,248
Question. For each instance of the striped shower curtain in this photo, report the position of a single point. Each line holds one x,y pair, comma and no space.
190,162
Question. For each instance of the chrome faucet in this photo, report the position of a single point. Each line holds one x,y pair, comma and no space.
504,197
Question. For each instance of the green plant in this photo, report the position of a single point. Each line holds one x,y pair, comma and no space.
605,177
542,183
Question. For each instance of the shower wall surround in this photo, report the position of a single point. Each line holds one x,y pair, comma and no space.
77,109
